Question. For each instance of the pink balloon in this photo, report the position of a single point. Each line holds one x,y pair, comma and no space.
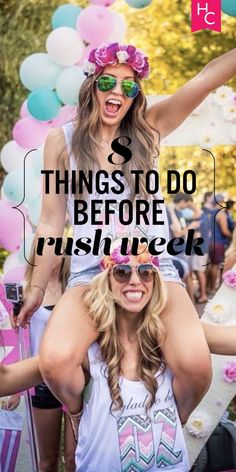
95,24
30,133
67,113
24,112
86,52
11,227
15,275
103,3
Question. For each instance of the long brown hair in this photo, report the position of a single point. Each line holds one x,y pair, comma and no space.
134,125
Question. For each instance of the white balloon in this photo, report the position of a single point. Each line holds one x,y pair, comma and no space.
10,262
64,46
120,28
25,248
38,71
69,83
34,162
12,156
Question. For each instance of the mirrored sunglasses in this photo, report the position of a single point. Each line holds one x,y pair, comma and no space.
122,272
107,82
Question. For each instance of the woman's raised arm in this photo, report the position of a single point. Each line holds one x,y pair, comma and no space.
168,114
51,224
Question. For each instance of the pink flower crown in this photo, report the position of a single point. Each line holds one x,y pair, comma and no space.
108,262
115,53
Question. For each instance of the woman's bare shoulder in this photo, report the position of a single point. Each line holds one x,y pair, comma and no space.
56,135
55,146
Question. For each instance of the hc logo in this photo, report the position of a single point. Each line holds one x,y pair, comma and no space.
206,15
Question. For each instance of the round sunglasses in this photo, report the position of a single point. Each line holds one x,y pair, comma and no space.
107,82
122,272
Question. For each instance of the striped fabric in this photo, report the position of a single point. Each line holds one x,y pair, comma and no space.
11,423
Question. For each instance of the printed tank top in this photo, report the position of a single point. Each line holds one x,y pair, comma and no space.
129,439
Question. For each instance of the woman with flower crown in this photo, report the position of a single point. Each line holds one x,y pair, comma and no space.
112,104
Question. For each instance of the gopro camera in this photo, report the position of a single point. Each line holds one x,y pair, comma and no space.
14,294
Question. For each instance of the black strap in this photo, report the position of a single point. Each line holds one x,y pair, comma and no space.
49,307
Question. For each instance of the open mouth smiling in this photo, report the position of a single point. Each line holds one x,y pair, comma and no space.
112,106
133,296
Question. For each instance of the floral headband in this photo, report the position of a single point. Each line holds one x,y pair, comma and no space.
108,262
115,53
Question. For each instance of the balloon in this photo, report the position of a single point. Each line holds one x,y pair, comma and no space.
34,210
12,156
229,7
138,3
39,70
119,30
103,3
34,161
30,133
15,275
25,249
24,112
64,46
66,114
16,188
10,262
11,228
69,83
43,104
65,15
95,24
86,52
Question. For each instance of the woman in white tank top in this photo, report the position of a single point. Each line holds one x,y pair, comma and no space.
130,420
109,107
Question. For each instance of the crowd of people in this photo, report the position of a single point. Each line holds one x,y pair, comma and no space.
214,222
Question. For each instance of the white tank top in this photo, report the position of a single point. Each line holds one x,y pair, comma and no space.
37,327
128,440
115,229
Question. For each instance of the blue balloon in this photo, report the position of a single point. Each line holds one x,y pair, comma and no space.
38,160
65,15
138,3
43,104
16,189
229,7
39,70
34,210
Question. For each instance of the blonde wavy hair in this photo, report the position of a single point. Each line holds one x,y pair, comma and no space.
134,125
102,307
